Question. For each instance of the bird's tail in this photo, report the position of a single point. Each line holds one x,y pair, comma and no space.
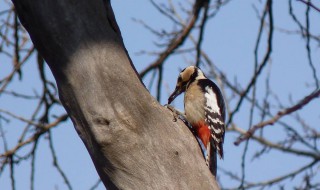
211,158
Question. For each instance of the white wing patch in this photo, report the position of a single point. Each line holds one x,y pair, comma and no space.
211,104
214,120
217,131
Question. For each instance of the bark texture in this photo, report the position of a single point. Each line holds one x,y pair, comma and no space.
132,140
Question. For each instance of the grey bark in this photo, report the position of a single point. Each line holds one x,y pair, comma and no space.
132,140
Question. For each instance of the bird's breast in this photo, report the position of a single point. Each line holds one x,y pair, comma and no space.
194,105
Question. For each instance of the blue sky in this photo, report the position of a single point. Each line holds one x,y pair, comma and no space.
229,41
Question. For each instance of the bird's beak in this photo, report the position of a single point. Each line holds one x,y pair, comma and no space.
176,93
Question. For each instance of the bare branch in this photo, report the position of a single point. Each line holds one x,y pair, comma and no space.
175,42
43,130
280,114
277,179
95,185
12,165
308,3
56,163
261,66
201,32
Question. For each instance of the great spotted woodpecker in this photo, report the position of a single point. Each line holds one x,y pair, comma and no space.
204,109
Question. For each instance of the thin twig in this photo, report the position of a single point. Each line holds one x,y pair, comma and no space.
16,59
13,182
201,32
56,163
175,42
160,75
280,114
165,12
243,159
280,178
277,146
43,130
313,69
96,184
33,164
308,3
261,67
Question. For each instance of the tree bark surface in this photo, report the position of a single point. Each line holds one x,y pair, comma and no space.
132,140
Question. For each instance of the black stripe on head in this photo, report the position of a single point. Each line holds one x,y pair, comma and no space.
193,76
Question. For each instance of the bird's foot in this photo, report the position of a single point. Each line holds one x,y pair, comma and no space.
176,113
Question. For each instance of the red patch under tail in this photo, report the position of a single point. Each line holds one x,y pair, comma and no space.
203,132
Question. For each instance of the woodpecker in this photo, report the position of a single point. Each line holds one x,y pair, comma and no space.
204,109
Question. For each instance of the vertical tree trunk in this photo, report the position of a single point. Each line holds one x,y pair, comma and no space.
131,139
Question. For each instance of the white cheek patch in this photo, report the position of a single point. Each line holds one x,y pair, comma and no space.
212,103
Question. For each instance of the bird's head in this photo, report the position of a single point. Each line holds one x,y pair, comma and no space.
186,77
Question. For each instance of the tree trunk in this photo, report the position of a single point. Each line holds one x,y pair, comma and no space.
132,140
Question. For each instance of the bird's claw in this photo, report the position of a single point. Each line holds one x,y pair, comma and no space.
174,112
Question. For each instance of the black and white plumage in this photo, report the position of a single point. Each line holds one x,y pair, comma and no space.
214,112
204,108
